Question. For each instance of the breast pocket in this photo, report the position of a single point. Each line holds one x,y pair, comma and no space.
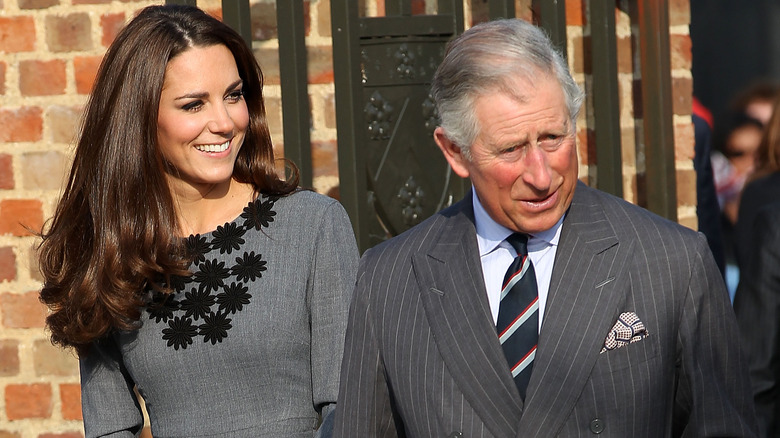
628,356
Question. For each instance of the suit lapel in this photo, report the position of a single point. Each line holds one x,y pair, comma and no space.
582,306
453,295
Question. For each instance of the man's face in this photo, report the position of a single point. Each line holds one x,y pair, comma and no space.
524,160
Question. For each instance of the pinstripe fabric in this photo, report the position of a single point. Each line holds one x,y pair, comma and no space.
422,358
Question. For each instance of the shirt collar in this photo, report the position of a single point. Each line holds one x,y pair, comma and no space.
490,234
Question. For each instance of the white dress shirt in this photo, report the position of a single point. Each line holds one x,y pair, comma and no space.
496,254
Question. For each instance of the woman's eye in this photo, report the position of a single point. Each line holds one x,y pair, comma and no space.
235,96
192,106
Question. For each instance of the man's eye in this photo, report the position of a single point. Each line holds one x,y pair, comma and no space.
510,149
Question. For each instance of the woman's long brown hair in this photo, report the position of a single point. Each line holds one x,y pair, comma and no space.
768,152
114,231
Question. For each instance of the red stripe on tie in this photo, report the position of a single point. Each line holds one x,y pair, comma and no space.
511,324
524,358
509,280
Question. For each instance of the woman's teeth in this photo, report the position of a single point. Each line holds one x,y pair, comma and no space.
213,147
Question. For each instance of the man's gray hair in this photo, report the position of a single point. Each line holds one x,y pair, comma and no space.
487,58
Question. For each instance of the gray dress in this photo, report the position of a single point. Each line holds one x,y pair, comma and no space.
250,345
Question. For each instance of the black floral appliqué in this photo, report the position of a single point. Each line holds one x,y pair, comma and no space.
197,303
259,213
234,298
211,274
215,327
228,237
197,246
179,333
162,307
249,267
219,289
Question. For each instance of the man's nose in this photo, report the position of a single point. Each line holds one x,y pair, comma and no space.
537,172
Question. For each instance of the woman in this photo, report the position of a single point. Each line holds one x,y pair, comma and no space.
762,188
235,330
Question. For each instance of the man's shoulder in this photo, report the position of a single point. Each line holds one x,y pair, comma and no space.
422,236
626,217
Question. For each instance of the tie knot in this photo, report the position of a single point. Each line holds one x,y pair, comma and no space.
519,242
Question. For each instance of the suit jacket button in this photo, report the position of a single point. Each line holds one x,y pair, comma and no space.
455,435
597,426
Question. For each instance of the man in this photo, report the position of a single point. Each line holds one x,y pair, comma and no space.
619,325
757,305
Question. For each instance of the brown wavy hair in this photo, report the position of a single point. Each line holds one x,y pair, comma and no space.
114,231
768,152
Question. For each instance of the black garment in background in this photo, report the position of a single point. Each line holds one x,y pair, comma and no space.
707,208
755,196
757,306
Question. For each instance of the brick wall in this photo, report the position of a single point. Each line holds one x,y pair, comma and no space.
49,52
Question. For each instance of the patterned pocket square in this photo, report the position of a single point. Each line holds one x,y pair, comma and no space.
627,329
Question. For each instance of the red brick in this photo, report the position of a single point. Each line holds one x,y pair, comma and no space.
49,360
17,34
70,396
682,95
6,172
37,4
575,15
686,187
85,69
35,268
22,310
679,12
28,401
683,141
215,12
680,47
111,25
263,17
44,170
9,358
5,433
268,58
63,122
19,215
21,124
69,33
42,78
273,114
62,435
323,157
2,78
320,65
7,264
323,18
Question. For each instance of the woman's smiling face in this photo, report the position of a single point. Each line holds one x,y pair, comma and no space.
202,118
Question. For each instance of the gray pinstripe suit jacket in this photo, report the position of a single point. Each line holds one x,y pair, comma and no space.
422,358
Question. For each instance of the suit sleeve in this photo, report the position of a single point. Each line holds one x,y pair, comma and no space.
108,403
365,407
713,390
331,284
757,305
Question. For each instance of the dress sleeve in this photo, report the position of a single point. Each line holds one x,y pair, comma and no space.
713,390
109,405
330,285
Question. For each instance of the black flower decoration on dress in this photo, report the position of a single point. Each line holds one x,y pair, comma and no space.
228,237
200,300
259,213
179,282
180,332
211,274
233,298
197,303
197,246
215,327
162,307
249,267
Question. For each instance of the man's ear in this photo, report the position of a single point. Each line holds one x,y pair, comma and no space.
451,152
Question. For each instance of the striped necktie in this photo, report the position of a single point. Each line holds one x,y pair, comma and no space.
518,314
